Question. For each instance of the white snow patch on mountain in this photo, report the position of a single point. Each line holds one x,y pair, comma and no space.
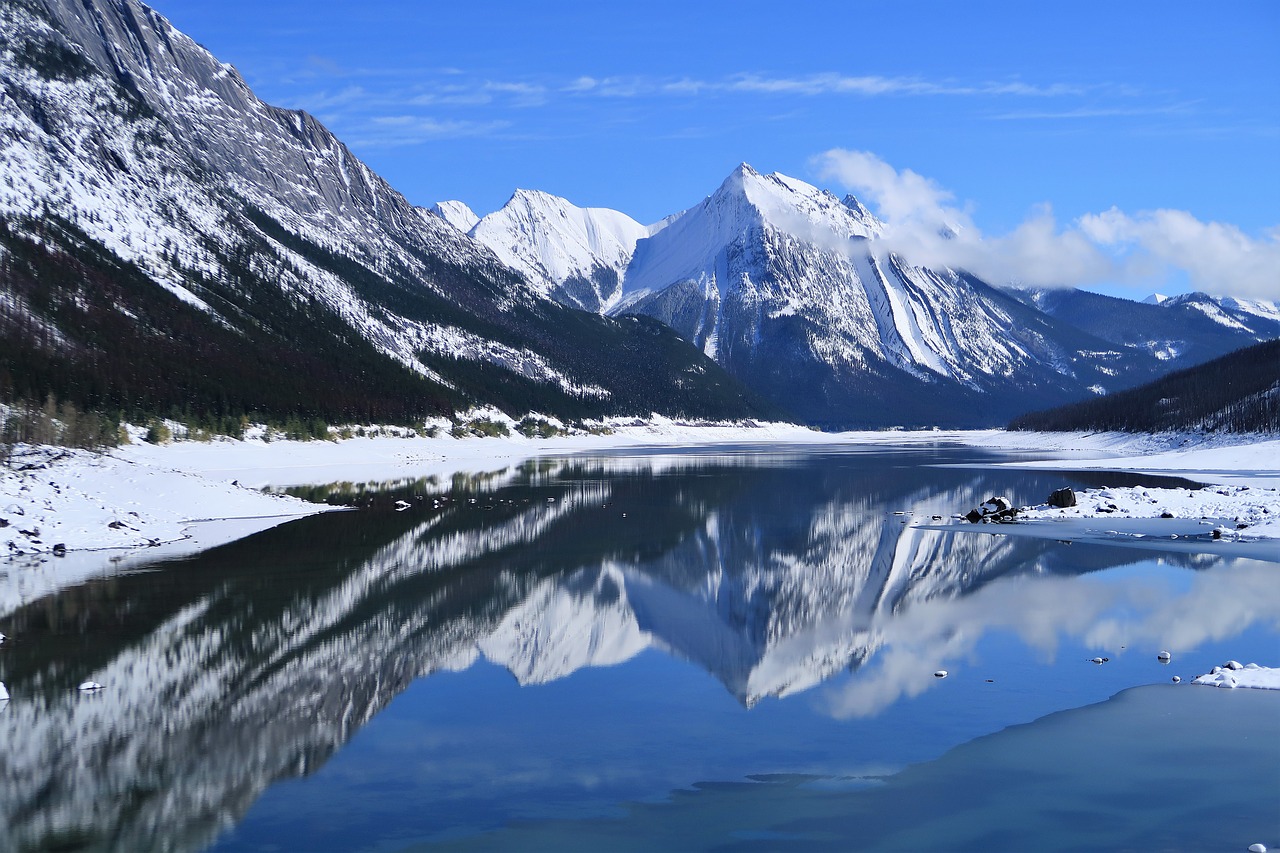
456,213
553,241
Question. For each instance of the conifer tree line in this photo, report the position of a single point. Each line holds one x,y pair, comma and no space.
1237,393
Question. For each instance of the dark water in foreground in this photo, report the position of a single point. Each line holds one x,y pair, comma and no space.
728,650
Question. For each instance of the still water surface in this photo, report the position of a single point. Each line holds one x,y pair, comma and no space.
711,650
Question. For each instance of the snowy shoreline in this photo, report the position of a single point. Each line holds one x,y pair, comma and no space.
144,495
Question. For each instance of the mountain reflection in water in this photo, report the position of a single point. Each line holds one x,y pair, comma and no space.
256,661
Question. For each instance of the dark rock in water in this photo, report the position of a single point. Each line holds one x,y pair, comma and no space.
60,550
996,505
1062,498
994,509
1166,514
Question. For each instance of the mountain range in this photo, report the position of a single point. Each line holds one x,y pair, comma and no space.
786,286
169,242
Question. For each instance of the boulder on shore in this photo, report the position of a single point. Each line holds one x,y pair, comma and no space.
1062,498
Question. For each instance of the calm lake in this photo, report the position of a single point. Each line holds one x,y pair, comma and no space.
719,649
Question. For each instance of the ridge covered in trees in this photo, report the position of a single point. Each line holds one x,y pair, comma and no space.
1239,392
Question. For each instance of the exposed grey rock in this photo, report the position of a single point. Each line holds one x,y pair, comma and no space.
1062,498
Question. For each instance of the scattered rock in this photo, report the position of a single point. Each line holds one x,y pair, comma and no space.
1176,679
993,509
942,673
1062,498
997,504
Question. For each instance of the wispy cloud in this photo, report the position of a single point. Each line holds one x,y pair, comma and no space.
926,227
874,85
398,131
1133,111
811,85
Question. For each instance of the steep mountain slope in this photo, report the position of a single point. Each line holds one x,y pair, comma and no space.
782,284
1190,328
1239,392
128,149
573,254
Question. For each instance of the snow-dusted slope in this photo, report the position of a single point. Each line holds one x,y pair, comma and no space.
574,254
782,283
127,128
456,214
1180,330
118,130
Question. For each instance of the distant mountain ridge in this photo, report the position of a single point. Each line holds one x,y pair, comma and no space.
1238,392
1189,328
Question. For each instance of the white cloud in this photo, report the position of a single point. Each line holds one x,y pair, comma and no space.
1217,257
902,197
1109,247
395,131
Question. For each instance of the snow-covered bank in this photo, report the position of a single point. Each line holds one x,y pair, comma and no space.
1234,674
1227,512
294,463
54,500
142,494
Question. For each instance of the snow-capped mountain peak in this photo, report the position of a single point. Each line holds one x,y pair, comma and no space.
793,205
746,201
576,254
456,213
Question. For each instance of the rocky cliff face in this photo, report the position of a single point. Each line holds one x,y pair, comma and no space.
125,145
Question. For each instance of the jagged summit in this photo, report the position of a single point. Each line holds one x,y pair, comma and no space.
456,213
574,254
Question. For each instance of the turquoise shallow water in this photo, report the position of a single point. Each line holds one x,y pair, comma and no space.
708,650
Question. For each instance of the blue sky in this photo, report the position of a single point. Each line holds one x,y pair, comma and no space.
647,107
